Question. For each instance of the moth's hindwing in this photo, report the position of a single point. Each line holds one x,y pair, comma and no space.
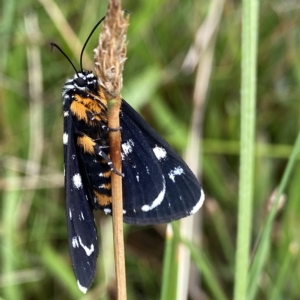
158,186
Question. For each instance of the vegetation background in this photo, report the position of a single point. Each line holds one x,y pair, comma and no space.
34,257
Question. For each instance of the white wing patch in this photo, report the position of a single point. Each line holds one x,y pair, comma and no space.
158,200
87,250
75,242
128,146
176,172
198,204
82,288
159,152
77,182
65,138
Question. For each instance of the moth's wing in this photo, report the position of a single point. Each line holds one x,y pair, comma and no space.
158,186
82,232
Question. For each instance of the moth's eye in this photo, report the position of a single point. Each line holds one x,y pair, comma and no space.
93,85
80,82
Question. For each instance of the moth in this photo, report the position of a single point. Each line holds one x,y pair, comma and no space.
158,186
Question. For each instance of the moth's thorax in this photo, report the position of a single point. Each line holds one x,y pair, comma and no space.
84,99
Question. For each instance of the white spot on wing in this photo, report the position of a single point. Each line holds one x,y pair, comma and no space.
159,152
82,288
77,182
176,172
65,138
75,242
198,204
66,113
82,216
87,250
158,200
70,214
128,146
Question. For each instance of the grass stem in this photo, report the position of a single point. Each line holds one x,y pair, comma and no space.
248,97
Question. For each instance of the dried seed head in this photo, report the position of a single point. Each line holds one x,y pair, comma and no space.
110,55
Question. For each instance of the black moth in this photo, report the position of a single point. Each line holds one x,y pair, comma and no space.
158,186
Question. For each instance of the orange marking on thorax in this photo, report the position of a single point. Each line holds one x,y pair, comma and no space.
80,106
103,199
87,144
79,110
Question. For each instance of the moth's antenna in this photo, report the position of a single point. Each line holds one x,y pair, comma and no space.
65,55
81,54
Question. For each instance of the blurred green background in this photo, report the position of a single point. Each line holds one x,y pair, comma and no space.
34,257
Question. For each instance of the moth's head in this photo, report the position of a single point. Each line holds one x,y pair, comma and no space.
82,80
85,81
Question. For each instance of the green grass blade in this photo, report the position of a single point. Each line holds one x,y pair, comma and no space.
7,24
203,264
278,287
262,250
9,249
248,96
169,267
61,271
